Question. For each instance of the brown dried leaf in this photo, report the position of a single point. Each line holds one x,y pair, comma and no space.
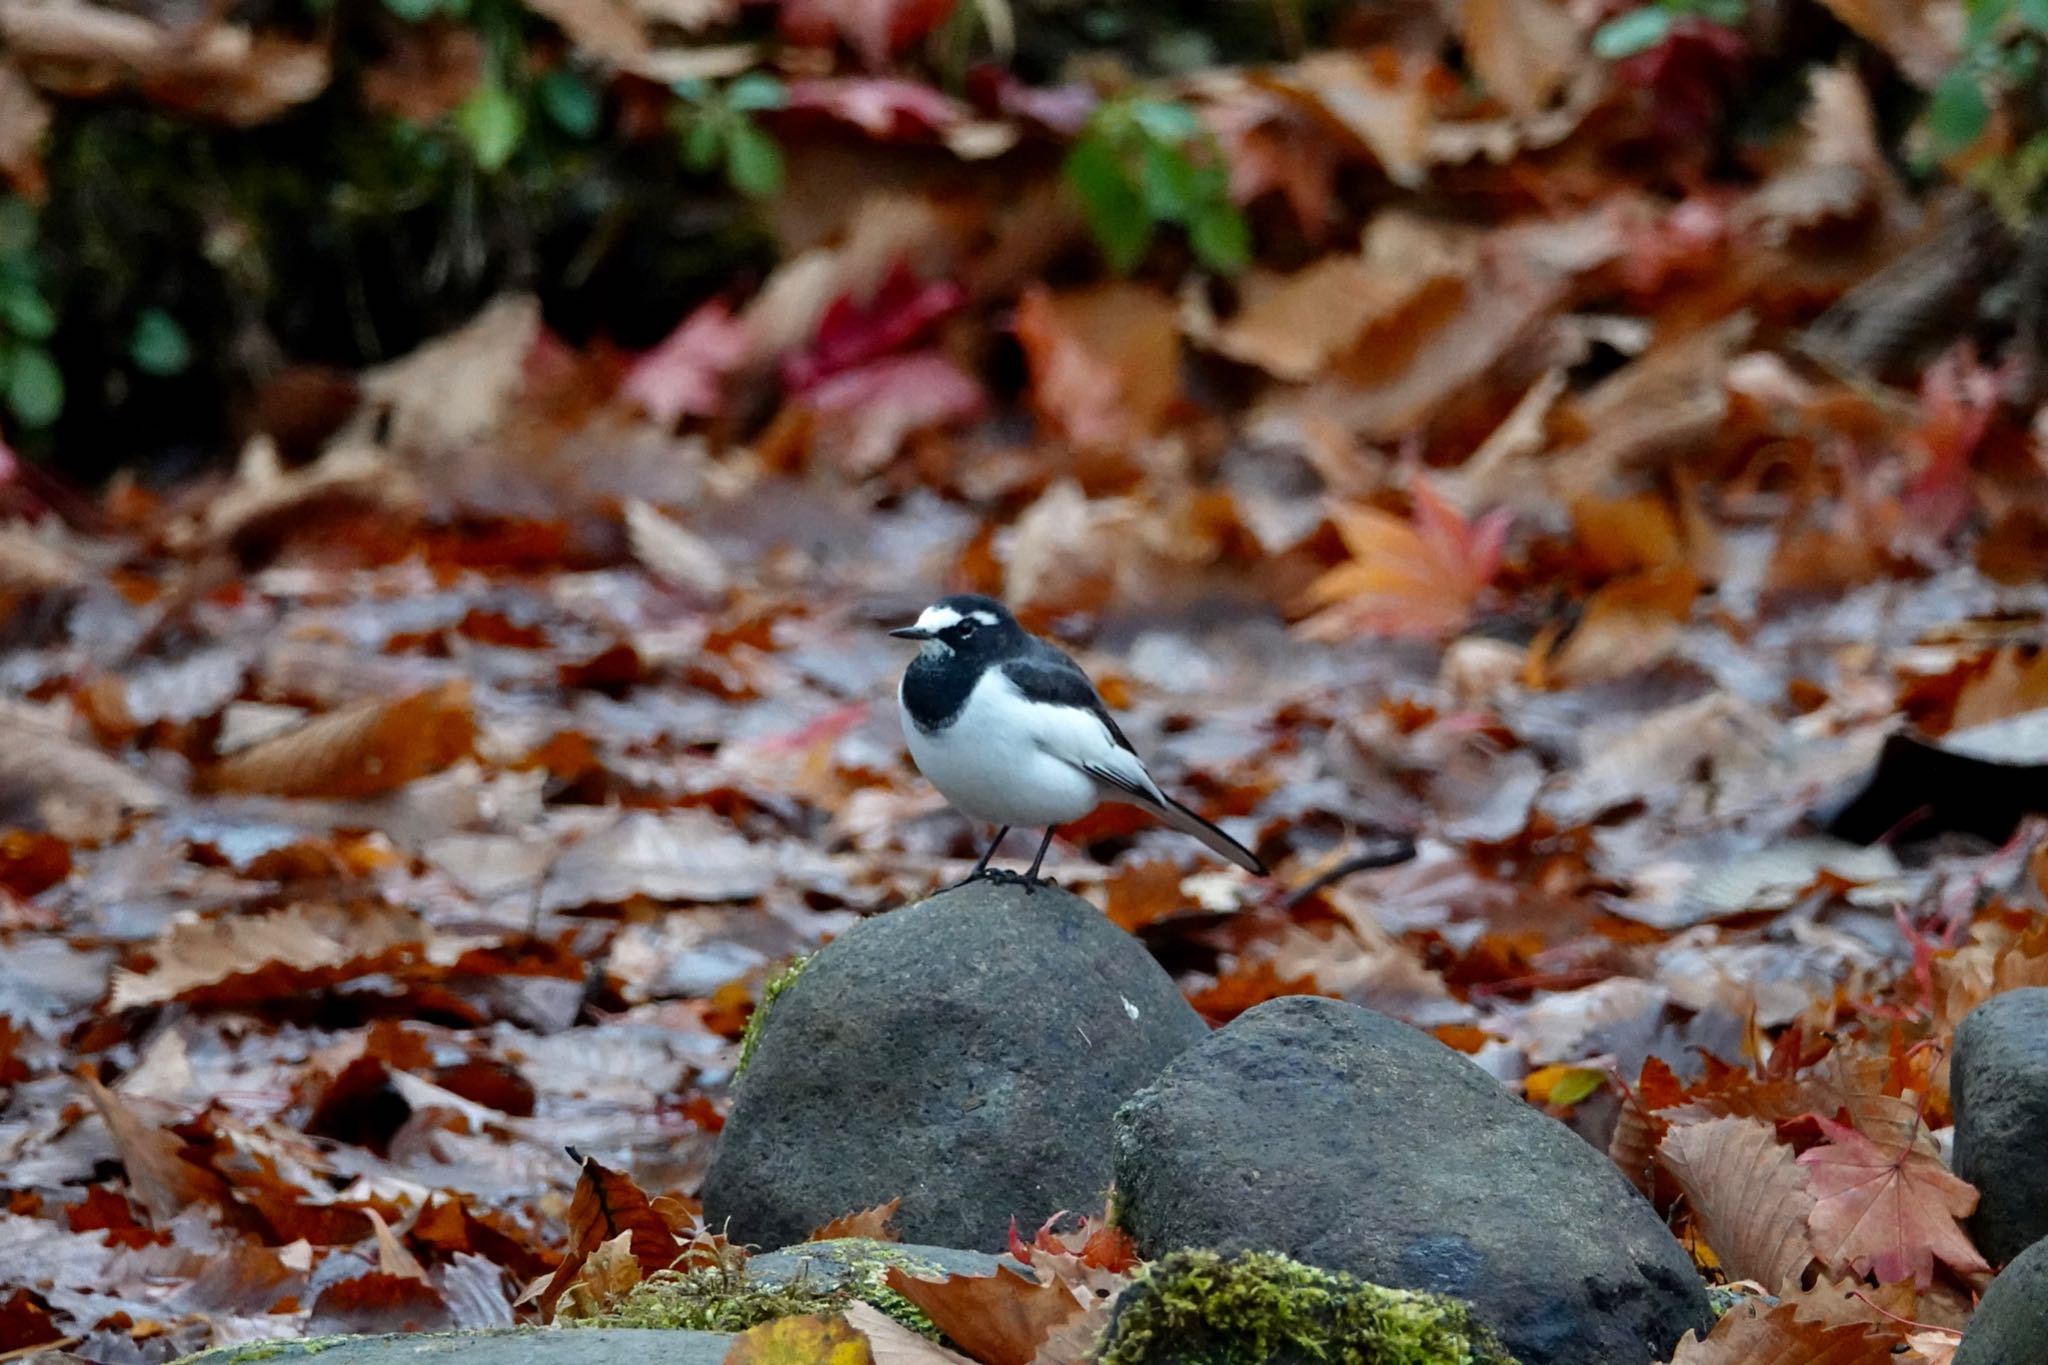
872,1224
47,777
1105,362
672,552
242,959
363,750
891,1343
24,119
606,1204
1523,50
999,1319
1922,36
1630,625
158,1174
1748,1336
1748,1196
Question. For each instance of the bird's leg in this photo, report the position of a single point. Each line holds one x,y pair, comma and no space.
1031,878
981,868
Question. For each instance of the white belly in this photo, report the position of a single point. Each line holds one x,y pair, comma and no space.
989,765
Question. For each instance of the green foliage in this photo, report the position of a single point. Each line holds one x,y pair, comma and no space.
1639,30
159,345
717,128
31,387
1261,1306
724,1297
2001,66
1142,162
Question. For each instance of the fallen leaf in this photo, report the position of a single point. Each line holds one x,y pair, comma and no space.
1419,576
1748,1197
607,1204
363,750
47,777
673,552
1105,362
1887,1212
867,413
24,120
685,375
808,1340
874,29
1746,1335
1627,626
158,1174
1523,50
998,1319
242,959
891,1343
1922,36
872,1224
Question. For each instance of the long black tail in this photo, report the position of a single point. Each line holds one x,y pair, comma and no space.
1187,822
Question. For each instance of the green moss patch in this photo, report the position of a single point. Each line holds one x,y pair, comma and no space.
1262,1306
731,1299
771,988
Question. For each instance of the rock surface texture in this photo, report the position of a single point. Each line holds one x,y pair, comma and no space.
1348,1140
2010,1326
966,1053
2000,1081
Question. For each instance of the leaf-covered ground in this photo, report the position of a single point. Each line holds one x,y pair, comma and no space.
1641,518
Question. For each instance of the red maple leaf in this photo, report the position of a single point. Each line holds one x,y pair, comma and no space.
1887,1212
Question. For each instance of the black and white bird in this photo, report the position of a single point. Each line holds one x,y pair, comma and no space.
1010,730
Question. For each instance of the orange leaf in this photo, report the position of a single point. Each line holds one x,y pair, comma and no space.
869,1223
1105,362
367,749
608,1203
158,1174
1748,1197
1887,1212
1748,1336
1416,577
998,1319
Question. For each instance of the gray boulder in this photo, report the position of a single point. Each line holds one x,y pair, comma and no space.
514,1346
965,1054
1350,1141
2010,1326
861,1264
1999,1077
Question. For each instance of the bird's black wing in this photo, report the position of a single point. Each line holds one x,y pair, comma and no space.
1047,675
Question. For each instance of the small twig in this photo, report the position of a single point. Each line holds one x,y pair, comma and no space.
24,1352
1401,850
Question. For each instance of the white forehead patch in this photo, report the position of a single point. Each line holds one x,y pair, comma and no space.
987,618
939,617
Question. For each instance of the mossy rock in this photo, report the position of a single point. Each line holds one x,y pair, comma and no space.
514,1346
815,1277
1261,1307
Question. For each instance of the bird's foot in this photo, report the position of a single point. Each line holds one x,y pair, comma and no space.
1003,876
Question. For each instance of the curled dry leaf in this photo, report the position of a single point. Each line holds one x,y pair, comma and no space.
872,1224
673,552
1630,625
1887,1211
999,1319
1748,1197
46,776
158,1173
243,959
1421,576
363,750
1524,51
606,1205
891,1343
1748,1336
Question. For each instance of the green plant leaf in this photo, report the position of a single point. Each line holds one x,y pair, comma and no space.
1576,1085
752,160
703,143
756,91
413,11
32,386
1166,120
26,314
491,121
159,346
692,89
1637,31
1959,111
1221,237
1115,208
1171,187
571,101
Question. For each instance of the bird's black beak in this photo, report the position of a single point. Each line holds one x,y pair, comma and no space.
912,633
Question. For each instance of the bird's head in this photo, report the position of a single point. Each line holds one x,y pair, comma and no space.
965,624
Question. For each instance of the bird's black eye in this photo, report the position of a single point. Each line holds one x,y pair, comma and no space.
966,629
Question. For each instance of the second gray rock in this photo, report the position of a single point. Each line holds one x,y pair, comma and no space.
1348,1140
2000,1081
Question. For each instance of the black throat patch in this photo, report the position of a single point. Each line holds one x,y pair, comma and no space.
935,690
